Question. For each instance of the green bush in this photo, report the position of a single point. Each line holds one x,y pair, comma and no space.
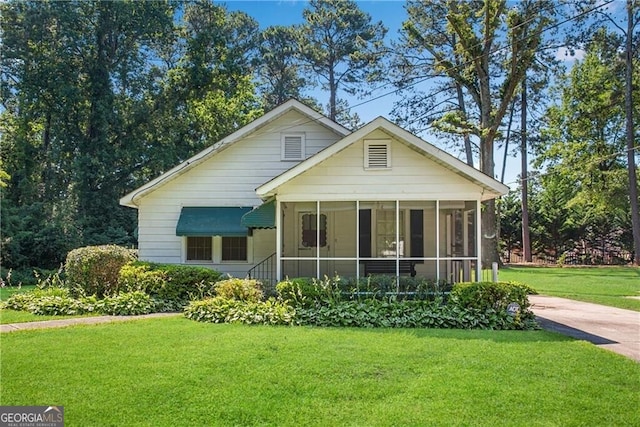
307,292
223,310
173,284
408,314
299,292
247,290
490,295
23,300
127,304
95,269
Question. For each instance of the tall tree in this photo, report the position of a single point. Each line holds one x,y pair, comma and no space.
494,47
585,139
101,96
633,18
342,47
609,16
278,67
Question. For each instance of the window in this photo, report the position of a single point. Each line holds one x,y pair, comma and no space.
377,154
234,248
293,146
309,230
386,233
199,248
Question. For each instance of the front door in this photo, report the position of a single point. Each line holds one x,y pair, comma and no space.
308,243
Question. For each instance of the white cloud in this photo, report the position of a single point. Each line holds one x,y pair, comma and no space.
570,55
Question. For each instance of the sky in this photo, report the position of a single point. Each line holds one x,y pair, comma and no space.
392,14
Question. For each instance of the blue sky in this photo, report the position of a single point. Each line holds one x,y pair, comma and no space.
289,12
392,14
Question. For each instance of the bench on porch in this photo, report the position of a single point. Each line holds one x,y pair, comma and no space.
378,266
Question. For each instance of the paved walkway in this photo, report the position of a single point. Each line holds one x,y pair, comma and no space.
612,328
61,323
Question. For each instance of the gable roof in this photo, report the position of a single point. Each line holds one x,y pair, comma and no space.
493,187
293,104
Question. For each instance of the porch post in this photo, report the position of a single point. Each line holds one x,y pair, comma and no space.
357,241
478,242
278,241
438,240
398,241
318,239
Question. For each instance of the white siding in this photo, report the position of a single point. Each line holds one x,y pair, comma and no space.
229,178
411,177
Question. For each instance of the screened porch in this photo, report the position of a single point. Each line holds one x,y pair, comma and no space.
435,239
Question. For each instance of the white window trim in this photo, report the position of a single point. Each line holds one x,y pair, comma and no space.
370,142
283,153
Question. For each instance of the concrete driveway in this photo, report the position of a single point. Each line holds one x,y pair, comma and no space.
612,328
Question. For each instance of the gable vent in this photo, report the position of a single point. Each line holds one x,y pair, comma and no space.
293,147
377,155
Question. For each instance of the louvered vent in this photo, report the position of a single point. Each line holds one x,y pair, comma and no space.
292,147
377,156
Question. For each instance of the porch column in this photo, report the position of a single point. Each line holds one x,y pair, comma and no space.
438,240
478,242
278,241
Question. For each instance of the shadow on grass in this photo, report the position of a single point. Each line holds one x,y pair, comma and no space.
474,334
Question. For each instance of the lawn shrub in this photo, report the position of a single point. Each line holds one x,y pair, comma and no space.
225,310
56,306
408,314
127,304
94,270
172,284
487,295
247,290
307,292
56,301
299,292
23,300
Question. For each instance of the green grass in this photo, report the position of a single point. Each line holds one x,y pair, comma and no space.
7,291
13,316
173,371
601,285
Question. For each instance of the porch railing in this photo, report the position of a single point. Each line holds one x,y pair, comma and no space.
265,272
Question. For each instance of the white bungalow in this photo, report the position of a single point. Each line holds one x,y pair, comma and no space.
295,194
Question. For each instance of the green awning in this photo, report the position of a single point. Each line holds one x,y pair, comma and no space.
264,216
211,221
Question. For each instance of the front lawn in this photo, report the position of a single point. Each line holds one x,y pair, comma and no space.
610,286
176,372
13,316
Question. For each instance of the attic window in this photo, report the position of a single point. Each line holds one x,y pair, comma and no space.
293,146
377,154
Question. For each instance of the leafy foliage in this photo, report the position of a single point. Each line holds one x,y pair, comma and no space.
246,290
95,269
342,47
491,296
307,292
127,304
225,310
173,284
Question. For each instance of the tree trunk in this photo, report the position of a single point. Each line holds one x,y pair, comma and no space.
332,95
633,179
526,242
467,139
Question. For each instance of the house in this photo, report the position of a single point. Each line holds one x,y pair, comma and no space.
295,194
